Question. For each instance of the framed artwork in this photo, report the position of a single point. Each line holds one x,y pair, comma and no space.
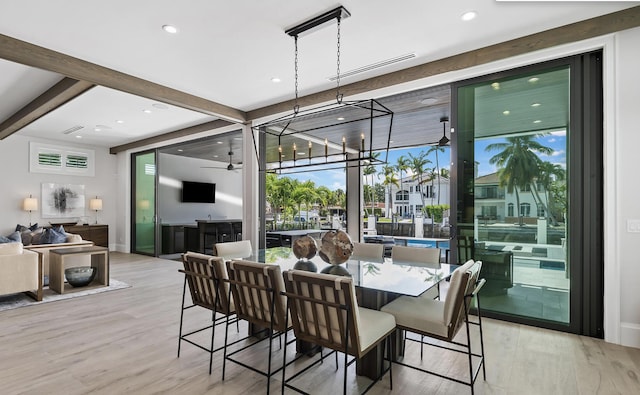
62,200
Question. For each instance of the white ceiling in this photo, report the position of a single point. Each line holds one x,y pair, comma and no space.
228,51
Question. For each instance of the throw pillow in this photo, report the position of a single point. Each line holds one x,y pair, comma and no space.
35,235
22,228
12,238
53,236
73,238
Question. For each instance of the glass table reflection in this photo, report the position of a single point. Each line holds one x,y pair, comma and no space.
400,277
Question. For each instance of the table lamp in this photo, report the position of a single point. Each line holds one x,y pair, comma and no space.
30,204
96,205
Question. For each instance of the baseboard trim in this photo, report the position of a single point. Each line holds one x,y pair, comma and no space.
630,334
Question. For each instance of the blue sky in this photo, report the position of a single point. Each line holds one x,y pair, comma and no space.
335,179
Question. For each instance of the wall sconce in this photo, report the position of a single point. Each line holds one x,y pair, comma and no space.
30,204
96,205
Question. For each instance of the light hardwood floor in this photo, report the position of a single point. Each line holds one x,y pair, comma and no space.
125,342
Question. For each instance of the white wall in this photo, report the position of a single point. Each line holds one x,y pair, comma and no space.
18,183
626,190
174,169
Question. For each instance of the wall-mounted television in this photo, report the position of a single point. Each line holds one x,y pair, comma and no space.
198,192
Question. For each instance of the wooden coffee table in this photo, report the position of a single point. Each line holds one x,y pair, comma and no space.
57,259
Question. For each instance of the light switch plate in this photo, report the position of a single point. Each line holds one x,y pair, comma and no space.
633,225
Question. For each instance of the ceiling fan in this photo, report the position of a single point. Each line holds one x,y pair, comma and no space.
444,140
229,167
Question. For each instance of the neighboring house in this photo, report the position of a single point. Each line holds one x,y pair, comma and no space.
410,197
494,204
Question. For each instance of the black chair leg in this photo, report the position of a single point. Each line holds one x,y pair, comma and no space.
484,373
184,289
390,362
213,334
224,357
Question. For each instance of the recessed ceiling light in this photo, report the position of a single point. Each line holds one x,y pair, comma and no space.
97,129
537,121
170,29
219,142
390,141
469,15
78,136
146,111
275,79
215,156
535,105
533,80
428,100
119,121
301,153
160,106
180,150
340,118
506,112
237,138
495,86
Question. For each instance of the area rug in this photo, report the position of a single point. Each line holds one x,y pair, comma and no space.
20,300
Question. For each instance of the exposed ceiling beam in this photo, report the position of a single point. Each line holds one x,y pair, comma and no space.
54,97
605,24
203,127
35,56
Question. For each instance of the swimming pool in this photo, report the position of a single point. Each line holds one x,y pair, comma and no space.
427,244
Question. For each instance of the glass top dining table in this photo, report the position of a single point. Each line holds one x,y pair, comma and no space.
400,277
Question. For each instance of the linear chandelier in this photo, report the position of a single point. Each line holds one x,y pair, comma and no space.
344,133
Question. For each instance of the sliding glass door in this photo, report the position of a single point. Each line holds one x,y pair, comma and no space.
143,203
527,187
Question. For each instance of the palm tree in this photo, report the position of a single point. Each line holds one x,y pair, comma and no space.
278,190
324,197
417,166
310,197
370,170
518,163
549,174
390,179
300,193
436,149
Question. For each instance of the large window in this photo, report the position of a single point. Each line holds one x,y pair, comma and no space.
536,132
402,195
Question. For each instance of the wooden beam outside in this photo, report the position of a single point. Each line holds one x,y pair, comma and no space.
65,90
32,55
598,26
203,127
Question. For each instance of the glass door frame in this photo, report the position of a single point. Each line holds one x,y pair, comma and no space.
585,253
